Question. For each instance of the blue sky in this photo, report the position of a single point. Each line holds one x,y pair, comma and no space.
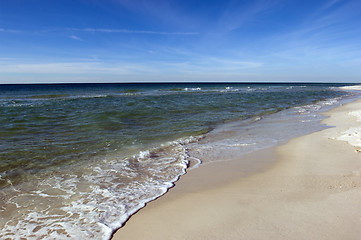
180,40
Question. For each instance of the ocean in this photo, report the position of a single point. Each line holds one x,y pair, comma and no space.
77,160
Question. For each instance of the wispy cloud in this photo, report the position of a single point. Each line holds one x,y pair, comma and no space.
11,31
163,11
96,30
207,65
324,35
76,38
70,68
238,13
202,64
107,30
330,4
225,63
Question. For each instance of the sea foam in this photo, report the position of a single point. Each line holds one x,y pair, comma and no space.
95,202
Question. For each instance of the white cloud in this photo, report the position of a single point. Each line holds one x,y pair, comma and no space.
330,4
97,30
236,64
203,64
76,38
69,68
10,31
107,30
207,65
238,13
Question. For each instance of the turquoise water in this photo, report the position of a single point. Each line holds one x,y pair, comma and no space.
79,151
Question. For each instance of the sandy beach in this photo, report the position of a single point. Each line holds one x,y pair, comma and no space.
309,188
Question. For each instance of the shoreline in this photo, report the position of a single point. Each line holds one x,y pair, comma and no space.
86,186
278,193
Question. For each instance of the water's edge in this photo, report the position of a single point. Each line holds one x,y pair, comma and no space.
194,152
116,150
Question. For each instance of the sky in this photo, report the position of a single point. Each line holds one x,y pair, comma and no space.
56,41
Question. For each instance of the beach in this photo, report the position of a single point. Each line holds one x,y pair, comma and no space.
308,188
79,161
180,120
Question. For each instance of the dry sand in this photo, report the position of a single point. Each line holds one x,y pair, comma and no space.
309,188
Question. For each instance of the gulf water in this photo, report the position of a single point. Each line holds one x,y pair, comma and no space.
76,160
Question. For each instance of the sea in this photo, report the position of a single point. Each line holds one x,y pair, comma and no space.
77,160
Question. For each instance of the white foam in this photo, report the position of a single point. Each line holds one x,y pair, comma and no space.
192,89
241,144
310,108
199,162
355,87
96,199
143,154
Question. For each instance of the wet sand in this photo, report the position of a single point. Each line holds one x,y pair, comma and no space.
309,188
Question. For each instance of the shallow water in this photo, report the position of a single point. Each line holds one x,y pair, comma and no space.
77,160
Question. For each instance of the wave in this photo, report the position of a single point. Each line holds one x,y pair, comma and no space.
92,201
